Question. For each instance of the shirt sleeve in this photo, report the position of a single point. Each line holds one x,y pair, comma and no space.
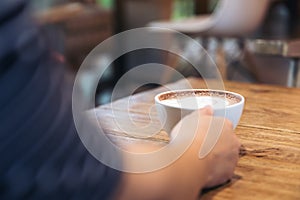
41,153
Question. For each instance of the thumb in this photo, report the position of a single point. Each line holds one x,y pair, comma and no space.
207,110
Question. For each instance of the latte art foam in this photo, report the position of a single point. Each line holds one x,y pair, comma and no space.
197,102
173,105
199,99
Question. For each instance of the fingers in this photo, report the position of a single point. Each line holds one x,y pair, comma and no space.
224,156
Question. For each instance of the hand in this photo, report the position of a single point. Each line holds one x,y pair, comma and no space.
185,178
223,156
222,159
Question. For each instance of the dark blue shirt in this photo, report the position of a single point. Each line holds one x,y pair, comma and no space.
41,153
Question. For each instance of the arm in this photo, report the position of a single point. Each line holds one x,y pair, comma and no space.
187,176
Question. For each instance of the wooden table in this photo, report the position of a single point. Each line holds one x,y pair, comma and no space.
269,130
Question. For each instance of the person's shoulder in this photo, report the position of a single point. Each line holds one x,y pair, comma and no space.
9,8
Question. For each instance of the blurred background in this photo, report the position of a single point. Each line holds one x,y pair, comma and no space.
267,54
256,41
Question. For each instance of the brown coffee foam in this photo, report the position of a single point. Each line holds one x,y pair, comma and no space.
232,99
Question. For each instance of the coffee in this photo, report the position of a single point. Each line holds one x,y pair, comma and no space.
198,99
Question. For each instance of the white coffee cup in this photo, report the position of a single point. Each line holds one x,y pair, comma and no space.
173,105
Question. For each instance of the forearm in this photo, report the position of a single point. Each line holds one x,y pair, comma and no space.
182,179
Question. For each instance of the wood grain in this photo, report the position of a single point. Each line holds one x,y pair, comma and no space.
269,131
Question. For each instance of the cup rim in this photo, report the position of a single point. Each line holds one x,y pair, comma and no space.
241,97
